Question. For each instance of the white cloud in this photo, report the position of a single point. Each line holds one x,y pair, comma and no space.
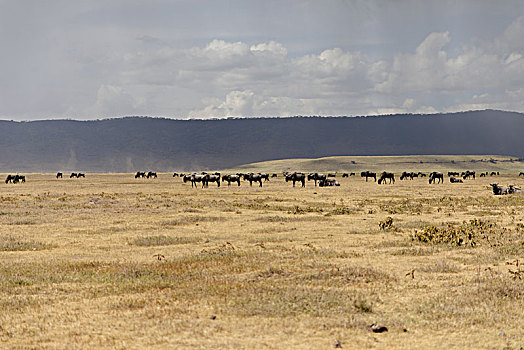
236,104
225,78
113,101
159,67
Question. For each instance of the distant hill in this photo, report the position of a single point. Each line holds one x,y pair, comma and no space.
136,143
398,164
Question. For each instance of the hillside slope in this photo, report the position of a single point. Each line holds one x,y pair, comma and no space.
132,143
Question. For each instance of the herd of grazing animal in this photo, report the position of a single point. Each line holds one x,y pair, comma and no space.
77,175
15,179
321,180
147,175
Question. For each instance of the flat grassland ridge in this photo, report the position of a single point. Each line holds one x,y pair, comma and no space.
111,261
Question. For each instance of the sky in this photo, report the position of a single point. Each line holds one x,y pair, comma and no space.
248,58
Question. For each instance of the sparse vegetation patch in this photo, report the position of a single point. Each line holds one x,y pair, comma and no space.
162,240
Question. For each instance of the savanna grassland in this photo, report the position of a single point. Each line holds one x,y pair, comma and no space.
110,261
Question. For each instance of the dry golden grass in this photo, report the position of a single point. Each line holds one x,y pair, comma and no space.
113,262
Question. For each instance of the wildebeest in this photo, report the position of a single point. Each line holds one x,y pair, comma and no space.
18,178
176,174
498,190
351,174
436,175
140,174
186,178
332,174
151,174
385,175
194,178
345,175
296,177
367,174
421,174
77,175
328,182
231,178
521,174
482,174
252,177
59,175
467,174
454,180
273,175
316,177
513,189
15,178
212,178
453,173
405,175
265,176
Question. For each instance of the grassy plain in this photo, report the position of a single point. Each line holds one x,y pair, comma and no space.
113,262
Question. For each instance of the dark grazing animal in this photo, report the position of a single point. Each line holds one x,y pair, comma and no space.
296,177
499,190
176,174
436,176
59,175
264,176
15,179
332,174
345,175
77,175
454,180
252,177
453,173
367,174
328,182
140,174
405,175
521,174
231,178
385,175
212,178
273,175
194,178
467,174
316,177
513,189
151,174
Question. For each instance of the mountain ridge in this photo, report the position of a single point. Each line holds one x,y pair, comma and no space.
133,143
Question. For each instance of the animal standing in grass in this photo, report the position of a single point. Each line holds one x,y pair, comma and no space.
436,176
368,174
316,177
231,178
296,177
385,175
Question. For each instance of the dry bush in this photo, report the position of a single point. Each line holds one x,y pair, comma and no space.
470,233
